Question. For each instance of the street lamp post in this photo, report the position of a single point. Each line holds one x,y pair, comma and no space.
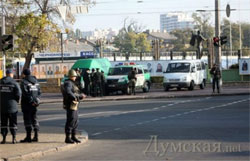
217,32
61,46
3,33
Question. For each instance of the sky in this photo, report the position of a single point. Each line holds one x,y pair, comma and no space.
112,13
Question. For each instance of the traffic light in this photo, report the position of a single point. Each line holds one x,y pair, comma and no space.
216,41
223,40
6,42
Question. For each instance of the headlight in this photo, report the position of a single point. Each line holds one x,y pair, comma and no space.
122,80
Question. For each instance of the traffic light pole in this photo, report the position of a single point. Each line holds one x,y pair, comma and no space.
3,33
217,33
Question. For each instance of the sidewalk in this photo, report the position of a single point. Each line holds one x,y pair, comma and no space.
49,143
156,94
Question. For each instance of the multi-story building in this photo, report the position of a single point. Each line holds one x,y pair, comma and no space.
173,21
106,34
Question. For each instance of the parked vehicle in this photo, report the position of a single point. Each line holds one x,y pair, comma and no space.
117,79
185,74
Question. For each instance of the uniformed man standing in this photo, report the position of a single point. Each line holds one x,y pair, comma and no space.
98,83
71,98
92,84
10,94
86,78
132,80
79,82
30,101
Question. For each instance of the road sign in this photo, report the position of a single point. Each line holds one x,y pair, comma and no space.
228,10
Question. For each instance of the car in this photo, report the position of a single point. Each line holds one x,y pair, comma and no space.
117,79
185,74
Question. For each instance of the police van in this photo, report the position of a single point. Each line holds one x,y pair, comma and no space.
117,79
185,74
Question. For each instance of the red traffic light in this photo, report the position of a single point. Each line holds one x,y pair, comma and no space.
216,41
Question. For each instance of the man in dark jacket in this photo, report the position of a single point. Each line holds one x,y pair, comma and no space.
132,80
79,82
216,75
98,82
30,101
71,98
10,94
87,80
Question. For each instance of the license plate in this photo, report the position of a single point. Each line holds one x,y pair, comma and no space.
111,85
174,85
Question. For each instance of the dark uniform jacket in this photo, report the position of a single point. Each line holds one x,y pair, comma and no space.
70,93
86,78
98,77
10,94
215,72
132,75
31,92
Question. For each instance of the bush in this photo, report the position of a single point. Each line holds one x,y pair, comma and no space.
234,66
157,79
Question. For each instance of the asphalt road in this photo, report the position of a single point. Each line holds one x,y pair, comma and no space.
209,128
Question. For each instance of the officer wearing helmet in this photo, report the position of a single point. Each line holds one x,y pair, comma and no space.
71,98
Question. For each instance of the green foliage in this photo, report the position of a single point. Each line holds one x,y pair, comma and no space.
183,39
129,42
33,32
202,21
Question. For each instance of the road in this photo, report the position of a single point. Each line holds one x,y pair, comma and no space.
207,128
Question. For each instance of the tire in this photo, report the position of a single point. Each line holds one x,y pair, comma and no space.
191,87
202,85
146,87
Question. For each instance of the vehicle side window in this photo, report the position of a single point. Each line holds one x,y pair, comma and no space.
139,71
203,65
198,66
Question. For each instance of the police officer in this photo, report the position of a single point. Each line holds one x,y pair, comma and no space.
92,84
30,101
71,98
216,75
98,82
79,82
132,80
10,94
87,80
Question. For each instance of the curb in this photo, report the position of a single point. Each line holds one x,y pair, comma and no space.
39,154
154,97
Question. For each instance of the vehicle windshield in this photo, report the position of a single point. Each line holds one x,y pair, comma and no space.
119,71
178,68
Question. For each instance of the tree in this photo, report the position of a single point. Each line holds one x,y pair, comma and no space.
33,32
202,23
130,39
183,38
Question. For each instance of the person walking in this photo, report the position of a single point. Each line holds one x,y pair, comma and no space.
10,94
216,75
87,80
30,101
132,80
71,98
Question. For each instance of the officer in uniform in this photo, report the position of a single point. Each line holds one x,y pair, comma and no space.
79,82
30,101
98,83
87,80
10,94
71,98
92,84
132,80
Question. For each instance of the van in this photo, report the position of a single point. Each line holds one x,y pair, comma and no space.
185,74
117,79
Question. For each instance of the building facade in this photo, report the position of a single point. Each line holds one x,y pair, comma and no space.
173,21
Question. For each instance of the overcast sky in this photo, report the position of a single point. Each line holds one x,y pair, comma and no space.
111,13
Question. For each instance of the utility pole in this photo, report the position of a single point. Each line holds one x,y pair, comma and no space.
3,33
217,33
61,46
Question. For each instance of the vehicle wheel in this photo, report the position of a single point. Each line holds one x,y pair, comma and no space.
166,89
178,88
191,87
146,87
202,85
